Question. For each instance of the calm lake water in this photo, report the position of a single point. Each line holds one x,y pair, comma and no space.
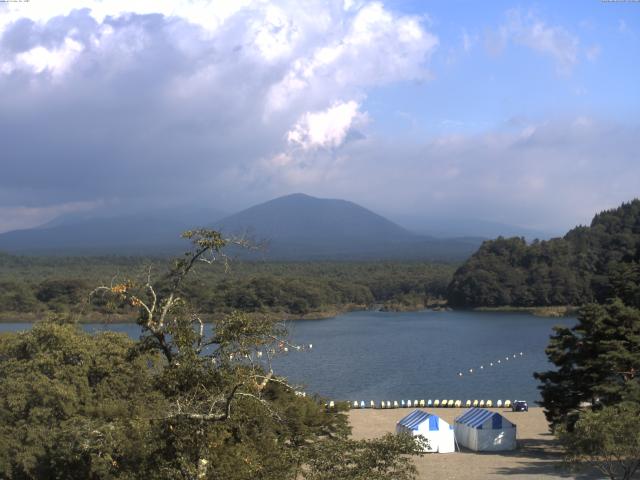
393,356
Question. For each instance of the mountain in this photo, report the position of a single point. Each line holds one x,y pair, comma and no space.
301,227
295,227
589,263
456,226
155,232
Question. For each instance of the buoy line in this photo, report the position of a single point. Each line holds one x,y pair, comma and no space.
492,364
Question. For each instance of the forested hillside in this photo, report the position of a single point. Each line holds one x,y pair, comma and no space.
35,286
588,263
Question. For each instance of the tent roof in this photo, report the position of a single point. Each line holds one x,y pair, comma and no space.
417,417
478,417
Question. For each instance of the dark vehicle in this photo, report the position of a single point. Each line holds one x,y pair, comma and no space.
519,406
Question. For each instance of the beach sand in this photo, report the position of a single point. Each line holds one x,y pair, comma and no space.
537,456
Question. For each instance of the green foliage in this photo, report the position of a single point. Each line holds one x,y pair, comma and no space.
377,459
183,402
588,264
41,284
74,405
608,439
597,360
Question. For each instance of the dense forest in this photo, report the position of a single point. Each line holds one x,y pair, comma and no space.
587,264
33,287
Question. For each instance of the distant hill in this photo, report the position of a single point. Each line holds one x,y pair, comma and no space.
295,227
155,232
301,227
588,263
448,227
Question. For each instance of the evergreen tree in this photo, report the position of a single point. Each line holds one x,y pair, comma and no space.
597,360
608,440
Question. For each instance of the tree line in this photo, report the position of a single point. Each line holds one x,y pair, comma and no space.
43,285
587,264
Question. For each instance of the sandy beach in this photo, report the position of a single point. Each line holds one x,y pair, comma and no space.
537,456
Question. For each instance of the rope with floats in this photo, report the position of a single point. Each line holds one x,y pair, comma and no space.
495,363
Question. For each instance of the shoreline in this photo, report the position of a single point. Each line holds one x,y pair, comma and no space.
556,311
537,456
329,312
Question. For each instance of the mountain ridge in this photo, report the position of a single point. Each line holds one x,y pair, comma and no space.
296,226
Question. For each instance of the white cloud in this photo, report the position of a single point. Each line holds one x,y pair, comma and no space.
209,14
547,174
374,47
40,59
325,129
530,31
244,101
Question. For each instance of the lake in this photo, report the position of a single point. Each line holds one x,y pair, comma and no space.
415,355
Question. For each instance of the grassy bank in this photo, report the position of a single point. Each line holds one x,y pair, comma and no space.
554,311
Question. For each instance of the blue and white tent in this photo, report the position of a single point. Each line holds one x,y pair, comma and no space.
484,431
439,434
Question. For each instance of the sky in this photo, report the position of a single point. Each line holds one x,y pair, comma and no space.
524,113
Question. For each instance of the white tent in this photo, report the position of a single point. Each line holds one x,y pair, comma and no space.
483,430
438,433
